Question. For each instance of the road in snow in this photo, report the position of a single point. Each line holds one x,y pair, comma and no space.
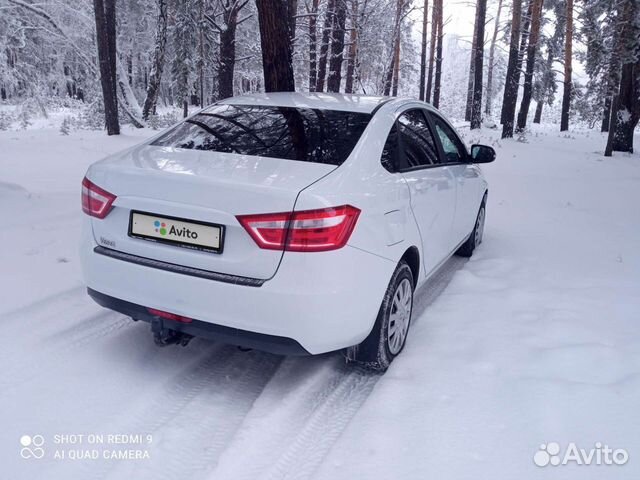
535,339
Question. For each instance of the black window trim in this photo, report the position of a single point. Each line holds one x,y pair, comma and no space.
430,116
401,147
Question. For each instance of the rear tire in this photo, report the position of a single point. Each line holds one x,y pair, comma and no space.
389,333
475,239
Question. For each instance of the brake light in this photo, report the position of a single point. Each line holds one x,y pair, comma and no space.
306,231
96,202
169,316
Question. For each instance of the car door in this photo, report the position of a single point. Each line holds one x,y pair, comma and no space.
431,184
467,177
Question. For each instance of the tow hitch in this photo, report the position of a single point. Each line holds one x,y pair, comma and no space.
166,336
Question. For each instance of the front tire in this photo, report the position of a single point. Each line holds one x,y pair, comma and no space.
475,239
389,333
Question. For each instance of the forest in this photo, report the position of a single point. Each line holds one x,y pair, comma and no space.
147,62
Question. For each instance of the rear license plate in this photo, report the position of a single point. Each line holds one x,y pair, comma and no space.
177,231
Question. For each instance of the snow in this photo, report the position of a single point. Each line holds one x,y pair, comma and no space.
533,340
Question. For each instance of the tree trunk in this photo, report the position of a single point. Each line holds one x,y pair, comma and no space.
423,50
625,112
227,53
476,110
606,115
492,51
568,54
276,45
534,36
511,81
313,61
353,48
432,52
524,36
438,74
538,115
292,12
546,85
388,83
337,48
201,53
155,76
396,67
472,66
324,45
105,15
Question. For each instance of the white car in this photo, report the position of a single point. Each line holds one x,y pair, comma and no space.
288,222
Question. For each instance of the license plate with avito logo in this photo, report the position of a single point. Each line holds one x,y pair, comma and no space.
180,232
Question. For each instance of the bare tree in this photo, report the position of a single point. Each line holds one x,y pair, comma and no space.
472,65
105,15
313,61
395,53
226,27
476,111
534,36
568,54
423,49
157,65
492,50
432,51
337,47
511,80
275,39
353,46
440,36
524,24
324,45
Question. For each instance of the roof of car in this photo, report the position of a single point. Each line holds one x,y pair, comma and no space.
324,101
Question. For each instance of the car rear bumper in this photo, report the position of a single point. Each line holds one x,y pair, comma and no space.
198,328
316,303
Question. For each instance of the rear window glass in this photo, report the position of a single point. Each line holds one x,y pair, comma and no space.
309,135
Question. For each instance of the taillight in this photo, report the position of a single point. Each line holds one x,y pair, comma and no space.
169,316
95,201
306,231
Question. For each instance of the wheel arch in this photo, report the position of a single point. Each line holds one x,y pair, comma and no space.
412,257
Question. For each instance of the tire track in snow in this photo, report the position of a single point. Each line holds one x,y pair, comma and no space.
195,416
324,425
45,306
52,348
306,407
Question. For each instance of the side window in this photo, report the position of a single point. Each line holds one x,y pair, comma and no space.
453,148
418,145
389,158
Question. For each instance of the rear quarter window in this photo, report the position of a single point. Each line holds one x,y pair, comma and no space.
302,134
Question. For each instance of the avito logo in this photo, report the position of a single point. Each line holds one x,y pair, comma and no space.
601,454
162,229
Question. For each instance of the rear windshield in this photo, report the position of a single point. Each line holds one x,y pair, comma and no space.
304,134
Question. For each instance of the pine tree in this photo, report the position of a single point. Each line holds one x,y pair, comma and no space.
568,59
337,47
476,109
105,15
275,40
491,65
532,47
511,80
182,63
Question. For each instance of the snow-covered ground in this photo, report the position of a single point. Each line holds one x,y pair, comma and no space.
536,339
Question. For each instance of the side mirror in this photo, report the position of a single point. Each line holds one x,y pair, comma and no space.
482,154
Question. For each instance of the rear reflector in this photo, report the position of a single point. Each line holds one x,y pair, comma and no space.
169,316
305,231
96,202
